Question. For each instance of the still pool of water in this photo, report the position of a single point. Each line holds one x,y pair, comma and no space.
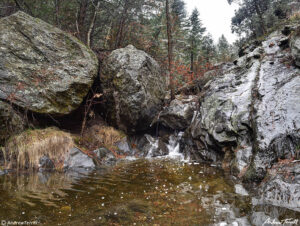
139,192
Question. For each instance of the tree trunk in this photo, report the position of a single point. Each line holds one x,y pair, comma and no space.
24,7
92,25
120,31
81,19
192,56
57,7
170,50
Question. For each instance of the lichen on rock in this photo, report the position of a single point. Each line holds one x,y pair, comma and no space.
42,68
134,88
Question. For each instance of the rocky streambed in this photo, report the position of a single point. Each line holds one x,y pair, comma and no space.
224,151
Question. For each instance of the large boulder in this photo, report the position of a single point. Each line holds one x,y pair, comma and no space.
250,115
134,88
10,122
42,68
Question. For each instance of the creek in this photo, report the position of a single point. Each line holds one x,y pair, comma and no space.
149,191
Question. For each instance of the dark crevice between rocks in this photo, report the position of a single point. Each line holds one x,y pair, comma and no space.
251,175
286,146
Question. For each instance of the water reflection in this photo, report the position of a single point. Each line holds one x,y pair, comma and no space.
141,192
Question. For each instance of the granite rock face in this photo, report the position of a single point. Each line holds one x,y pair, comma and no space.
134,88
249,115
281,187
42,68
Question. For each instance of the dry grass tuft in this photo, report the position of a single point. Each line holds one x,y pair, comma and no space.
99,135
24,150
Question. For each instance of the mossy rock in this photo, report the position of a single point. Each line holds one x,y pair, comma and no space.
42,68
134,88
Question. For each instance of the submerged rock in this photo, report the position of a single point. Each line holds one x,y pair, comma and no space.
43,69
105,156
10,122
134,88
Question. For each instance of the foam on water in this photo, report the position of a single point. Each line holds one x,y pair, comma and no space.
174,147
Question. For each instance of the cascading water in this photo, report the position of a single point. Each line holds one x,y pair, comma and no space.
174,147
153,142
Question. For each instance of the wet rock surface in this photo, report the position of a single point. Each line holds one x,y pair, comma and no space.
144,146
134,88
105,156
178,115
10,122
46,164
75,159
281,186
249,115
43,69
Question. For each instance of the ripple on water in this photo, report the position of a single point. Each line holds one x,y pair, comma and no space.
144,192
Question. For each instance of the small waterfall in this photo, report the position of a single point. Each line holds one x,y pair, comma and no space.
154,145
174,147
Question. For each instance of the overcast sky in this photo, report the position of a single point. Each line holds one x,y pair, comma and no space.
215,15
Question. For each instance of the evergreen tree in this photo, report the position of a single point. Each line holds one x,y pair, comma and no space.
223,48
208,48
178,23
250,17
196,31
178,10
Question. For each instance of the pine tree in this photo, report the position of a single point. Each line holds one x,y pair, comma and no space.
223,48
208,48
178,28
250,17
195,36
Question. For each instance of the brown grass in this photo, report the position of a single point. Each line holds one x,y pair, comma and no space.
100,136
24,150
